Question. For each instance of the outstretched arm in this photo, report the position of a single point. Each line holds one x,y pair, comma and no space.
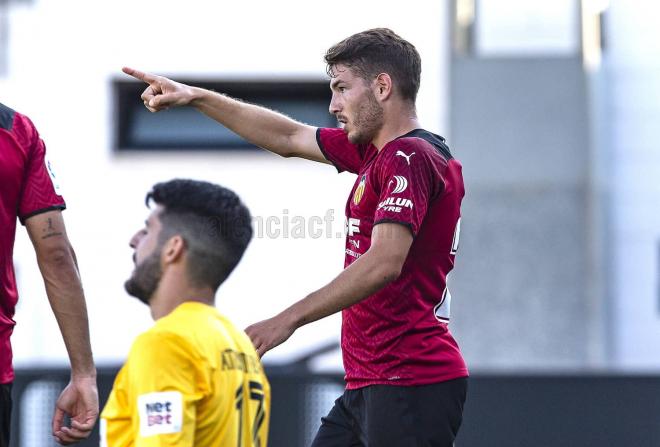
59,269
379,266
260,126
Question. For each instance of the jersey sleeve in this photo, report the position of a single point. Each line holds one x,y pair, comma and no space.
336,148
39,193
115,421
163,386
407,185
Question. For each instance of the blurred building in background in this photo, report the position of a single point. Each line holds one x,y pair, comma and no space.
63,68
551,106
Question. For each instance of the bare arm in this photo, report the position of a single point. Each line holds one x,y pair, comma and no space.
262,127
58,267
379,266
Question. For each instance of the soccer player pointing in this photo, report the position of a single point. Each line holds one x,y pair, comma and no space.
406,379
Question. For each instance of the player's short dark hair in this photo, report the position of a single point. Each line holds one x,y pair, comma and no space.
213,222
376,51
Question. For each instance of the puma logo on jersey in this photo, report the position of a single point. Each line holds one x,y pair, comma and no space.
407,157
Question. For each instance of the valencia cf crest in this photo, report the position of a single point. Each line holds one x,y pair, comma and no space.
359,191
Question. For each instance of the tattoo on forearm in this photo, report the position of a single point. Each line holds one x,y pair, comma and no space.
50,230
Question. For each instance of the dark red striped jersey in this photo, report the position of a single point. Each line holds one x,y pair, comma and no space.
399,335
26,189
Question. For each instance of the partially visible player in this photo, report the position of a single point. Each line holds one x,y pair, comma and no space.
27,192
193,378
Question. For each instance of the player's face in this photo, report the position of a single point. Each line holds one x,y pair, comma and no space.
355,105
146,256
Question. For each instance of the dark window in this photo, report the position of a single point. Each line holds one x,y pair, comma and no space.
185,128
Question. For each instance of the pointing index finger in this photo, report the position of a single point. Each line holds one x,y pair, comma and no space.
141,75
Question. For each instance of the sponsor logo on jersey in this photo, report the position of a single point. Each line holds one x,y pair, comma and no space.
359,191
395,204
401,184
352,253
354,243
103,432
160,413
403,154
352,226
51,174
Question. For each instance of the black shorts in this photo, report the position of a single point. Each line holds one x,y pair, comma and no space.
5,413
393,416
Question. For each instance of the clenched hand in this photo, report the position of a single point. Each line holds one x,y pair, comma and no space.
80,401
270,333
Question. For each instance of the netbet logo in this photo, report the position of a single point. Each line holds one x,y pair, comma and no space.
159,413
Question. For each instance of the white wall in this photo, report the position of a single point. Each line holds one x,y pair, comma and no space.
63,56
632,68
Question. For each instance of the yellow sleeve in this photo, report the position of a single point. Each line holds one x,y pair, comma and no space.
116,425
163,384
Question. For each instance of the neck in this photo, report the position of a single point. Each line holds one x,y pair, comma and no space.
173,290
397,121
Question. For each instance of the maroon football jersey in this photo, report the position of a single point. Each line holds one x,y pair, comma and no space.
26,189
399,335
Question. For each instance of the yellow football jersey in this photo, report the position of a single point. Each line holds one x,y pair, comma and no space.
193,379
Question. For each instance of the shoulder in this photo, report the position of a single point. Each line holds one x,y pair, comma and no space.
234,337
161,340
192,329
20,126
419,147
425,141
328,138
6,117
335,139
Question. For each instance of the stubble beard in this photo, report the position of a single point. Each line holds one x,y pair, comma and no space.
368,120
145,278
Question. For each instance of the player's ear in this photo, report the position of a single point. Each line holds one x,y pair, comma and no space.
173,249
383,86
